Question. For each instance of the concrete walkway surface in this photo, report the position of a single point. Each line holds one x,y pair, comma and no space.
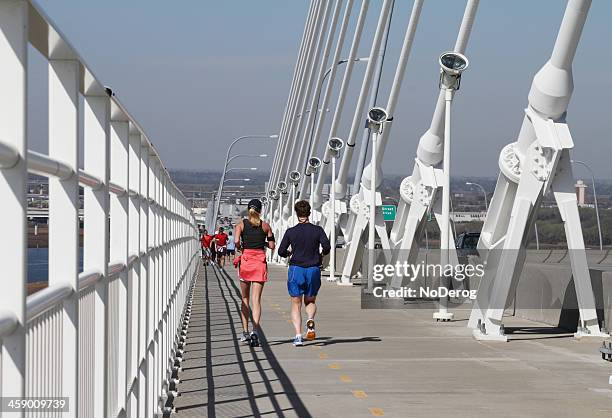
364,363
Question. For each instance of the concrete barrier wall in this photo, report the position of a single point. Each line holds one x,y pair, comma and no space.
546,292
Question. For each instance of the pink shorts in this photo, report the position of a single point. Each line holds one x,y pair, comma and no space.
253,266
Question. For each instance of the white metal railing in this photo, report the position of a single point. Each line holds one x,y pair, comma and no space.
104,338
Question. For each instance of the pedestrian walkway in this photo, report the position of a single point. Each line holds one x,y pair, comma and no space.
364,363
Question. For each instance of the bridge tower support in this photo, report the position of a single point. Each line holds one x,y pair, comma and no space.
538,162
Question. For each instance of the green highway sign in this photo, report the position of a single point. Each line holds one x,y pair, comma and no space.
389,212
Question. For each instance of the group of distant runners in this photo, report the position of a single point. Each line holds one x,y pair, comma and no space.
218,246
304,244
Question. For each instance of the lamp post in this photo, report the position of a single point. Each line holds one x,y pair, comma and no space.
229,170
294,178
228,180
377,117
313,167
469,183
282,189
452,64
328,72
213,223
233,157
335,145
585,165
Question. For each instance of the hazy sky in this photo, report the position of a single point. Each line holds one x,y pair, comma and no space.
198,73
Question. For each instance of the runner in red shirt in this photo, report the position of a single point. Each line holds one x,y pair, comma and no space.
205,241
220,240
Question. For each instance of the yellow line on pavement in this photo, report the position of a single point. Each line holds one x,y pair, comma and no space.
377,412
323,356
334,366
345,378
360,394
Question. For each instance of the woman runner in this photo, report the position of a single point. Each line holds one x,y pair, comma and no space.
252,236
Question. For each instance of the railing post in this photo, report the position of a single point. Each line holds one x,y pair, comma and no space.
119,232
156,277
64,122
133,321
164,279
96,240
144,335
13,107
152,270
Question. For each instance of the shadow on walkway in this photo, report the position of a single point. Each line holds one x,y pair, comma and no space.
222,377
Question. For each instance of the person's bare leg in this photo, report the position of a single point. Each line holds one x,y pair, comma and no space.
311,306
296,314
245,289
256,304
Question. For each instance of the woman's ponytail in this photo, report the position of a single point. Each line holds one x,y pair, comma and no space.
254,217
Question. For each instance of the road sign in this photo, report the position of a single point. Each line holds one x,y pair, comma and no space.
389,212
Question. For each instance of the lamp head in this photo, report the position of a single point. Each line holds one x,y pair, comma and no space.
313,165
294,177
282,186
335,145
452,65
377,116
273,194
264,200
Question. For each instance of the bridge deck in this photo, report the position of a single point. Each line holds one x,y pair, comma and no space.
394,363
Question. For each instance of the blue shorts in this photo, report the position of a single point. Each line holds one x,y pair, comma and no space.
303,281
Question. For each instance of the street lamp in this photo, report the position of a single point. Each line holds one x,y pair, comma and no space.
311,169
329,70
281,186
452,64
272,197
469,183
377,117
233,157
213,222
334,145
582,163
294,178
240,169
226,180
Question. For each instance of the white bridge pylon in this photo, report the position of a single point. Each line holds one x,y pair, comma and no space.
420,192
538,162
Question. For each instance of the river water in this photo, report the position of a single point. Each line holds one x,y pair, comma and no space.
38,264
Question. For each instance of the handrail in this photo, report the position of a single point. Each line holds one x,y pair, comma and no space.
44,165
116,189
130,206
89,180
114,269
46,299
8,323
9,157
87,279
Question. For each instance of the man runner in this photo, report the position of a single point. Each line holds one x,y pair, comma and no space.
205,241
304,275
220,246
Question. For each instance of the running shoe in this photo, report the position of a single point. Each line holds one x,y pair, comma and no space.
254,339
298,341
245,338
310,330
